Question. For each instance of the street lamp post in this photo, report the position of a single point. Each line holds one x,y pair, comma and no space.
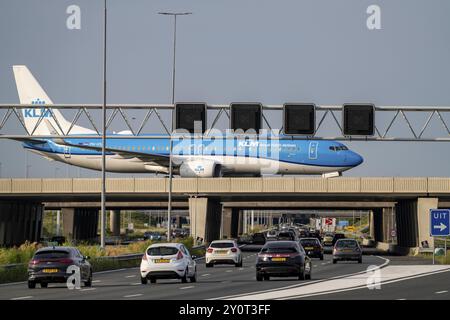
169,206
103,194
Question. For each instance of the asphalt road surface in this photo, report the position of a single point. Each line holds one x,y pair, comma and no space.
229,282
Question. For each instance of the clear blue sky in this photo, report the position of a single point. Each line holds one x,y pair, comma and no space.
268,51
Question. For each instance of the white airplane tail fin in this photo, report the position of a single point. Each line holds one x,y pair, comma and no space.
30,92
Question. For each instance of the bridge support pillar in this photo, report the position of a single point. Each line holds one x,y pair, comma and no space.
413,222
80,223
230,223
205,216
114,222
20,222
371,225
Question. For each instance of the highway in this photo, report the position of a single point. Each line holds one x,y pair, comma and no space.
228,282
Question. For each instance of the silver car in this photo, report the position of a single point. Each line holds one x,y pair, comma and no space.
347,250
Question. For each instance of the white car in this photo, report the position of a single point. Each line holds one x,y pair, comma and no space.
223,252
167,261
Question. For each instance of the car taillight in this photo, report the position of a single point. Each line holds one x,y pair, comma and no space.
210,250
34,262
233,250
144,257
179,255
66,261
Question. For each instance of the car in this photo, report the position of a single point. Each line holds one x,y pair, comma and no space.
336,237
312,247
258,238
49,265
283,259
167,261
347,250
223,252
152,235
328,239
271,235
286,235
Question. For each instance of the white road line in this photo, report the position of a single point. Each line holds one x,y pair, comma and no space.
241,269
401,299
133,295
189,287
135,283
132,276
205,275
440,292
88,289
96,281
22,298
229,271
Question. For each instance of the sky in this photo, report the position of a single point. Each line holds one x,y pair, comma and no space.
272,52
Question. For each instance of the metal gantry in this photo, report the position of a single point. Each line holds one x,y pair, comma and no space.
386,120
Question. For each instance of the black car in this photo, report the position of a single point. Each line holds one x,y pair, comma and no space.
336,237
283,259
49,265
312,247
286,236
259,238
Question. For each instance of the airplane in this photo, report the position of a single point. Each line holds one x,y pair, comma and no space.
252,156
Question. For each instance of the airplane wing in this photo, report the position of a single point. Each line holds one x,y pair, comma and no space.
29,140
158,159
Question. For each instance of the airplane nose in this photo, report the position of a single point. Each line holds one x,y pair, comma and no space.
355,159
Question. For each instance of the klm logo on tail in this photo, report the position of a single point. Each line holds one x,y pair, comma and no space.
38,113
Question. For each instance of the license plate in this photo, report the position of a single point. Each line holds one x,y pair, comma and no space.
221,251
162,260
50,270
278,259
309,248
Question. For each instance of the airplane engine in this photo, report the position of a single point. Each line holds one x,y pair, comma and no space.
200,169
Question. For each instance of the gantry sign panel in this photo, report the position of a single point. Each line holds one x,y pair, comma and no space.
299,118
358,119
246,116
187,114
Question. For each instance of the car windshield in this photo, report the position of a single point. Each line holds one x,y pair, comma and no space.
309,242
221,245
346,244
162,251
279,250
54,254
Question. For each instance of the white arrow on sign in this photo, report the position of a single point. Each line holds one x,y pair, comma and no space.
442,227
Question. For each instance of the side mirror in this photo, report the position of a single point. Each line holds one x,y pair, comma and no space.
86,257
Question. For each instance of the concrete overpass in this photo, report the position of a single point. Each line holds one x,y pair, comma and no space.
215,203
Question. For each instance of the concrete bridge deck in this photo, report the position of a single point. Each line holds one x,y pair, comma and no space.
351,186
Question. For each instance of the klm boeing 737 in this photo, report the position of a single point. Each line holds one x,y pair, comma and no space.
274,154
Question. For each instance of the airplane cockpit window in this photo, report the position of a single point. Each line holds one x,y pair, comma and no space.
338,148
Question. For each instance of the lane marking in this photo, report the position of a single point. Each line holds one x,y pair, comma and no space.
392,279
96,281
440,292
229,271
205,275
384,264
135,283
188,287
132,276
133,295
88,289
401,299
22,298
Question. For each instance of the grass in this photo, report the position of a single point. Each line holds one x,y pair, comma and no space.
98,257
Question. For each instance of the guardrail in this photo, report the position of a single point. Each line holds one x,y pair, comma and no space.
124,257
